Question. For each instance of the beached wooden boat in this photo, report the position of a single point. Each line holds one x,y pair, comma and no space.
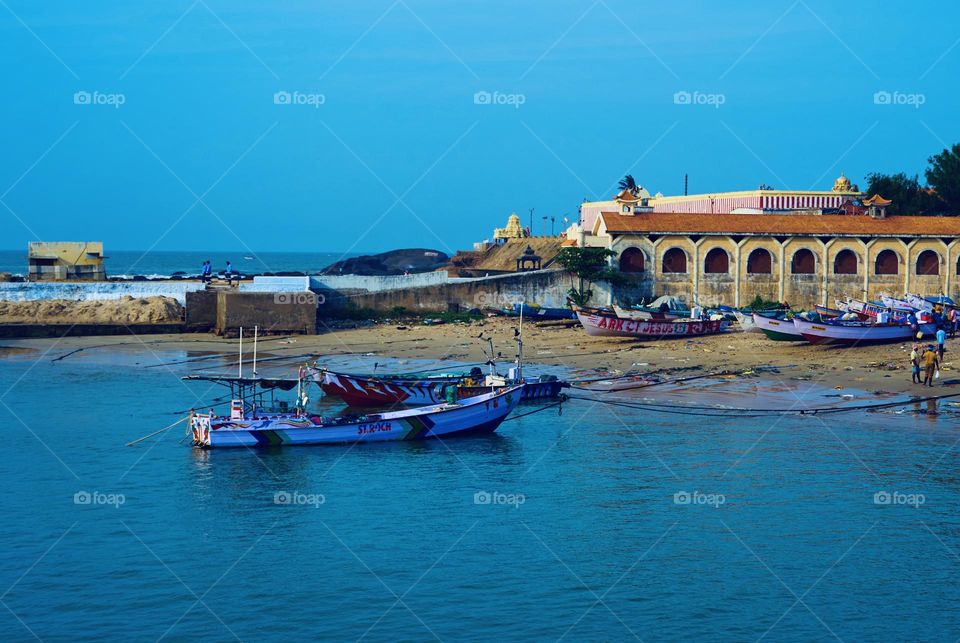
370,390
663,308
537,312
647,314
893,302
779,330
827,313
746,322
599,325
870,309
245,427
928,303
856,332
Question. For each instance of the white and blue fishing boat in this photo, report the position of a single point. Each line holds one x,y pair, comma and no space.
248,426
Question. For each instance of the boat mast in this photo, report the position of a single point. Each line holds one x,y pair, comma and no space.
240,356
519,371
255,328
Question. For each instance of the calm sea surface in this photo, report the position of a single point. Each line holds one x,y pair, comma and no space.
165,263
577,532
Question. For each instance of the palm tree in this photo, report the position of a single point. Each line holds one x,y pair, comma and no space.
627,183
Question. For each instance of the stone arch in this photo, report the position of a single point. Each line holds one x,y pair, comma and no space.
717,261
928,263
632,260
887,263
674,261
845,263
804,262
760,262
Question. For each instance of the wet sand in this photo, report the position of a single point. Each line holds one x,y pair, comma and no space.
876,369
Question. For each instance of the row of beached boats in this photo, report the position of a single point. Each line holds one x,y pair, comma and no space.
858,322
409,406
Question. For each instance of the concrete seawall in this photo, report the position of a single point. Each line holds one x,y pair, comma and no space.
107,290
545,287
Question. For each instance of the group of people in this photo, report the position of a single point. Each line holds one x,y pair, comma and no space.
928,359
206,273
946,321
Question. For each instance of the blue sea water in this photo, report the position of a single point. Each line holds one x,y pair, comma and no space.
586,535
166,263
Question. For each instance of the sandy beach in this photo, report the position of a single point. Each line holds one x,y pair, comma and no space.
878,369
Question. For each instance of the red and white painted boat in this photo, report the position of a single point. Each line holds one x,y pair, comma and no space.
364,390
854,332
599,325
370,391
868,310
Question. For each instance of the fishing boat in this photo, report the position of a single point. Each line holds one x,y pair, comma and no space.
928,303
868,310
247,426
857,332
535,311
827,313
665,308
599,325
746,322
892,302
640,314
778,329
411,390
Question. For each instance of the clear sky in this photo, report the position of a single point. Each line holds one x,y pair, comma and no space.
158,124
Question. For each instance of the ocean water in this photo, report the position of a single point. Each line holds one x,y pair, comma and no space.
166,263
559,527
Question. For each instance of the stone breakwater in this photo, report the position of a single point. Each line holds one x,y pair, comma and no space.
126,310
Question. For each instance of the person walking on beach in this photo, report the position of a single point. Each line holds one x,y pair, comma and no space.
228,273
915,364
941,341
930,363
205,271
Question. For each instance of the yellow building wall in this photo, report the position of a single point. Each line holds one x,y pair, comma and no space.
738,287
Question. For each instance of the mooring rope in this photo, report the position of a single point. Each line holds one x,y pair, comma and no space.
542,408
713,411
166,428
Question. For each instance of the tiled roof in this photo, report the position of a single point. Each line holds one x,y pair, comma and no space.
779,224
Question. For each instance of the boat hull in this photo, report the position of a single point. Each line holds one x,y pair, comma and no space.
855,333
778,330
610,326
480,414
373,392
369,391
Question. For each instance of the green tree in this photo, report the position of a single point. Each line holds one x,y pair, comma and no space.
627,183
943,175
908,196
587,265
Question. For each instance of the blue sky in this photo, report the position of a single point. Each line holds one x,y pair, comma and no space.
200,156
